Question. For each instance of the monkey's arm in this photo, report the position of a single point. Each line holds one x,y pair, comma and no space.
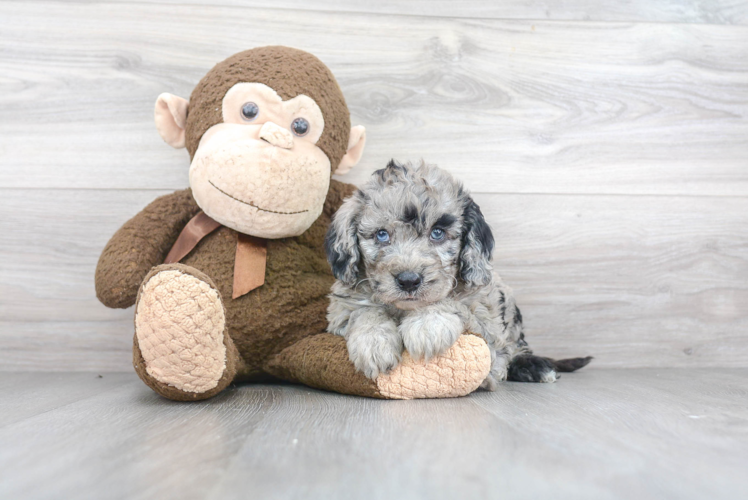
322,361
141,243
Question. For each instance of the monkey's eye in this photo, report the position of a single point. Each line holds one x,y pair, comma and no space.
250,111
300,126
437,234
383,236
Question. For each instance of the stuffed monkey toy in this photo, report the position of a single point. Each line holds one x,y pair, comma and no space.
229,278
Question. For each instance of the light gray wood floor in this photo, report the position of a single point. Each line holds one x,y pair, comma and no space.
601,433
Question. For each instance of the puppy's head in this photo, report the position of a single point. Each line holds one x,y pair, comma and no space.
413,233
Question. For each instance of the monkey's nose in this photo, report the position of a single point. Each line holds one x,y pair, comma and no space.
408,281
276,135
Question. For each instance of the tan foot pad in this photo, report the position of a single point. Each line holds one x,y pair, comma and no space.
457,372
179,322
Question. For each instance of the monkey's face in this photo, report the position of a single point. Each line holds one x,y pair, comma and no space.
260,164
260,172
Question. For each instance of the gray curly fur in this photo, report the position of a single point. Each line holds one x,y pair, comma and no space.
459,290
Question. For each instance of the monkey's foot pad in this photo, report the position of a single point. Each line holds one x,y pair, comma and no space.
179,324
457,372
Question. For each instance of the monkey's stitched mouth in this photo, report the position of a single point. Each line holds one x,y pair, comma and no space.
253,205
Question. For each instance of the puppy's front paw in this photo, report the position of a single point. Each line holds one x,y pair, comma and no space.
375,350
497,374
429,333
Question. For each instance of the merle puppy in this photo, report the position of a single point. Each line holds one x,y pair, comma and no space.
411,252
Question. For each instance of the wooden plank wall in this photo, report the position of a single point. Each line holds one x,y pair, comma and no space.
607,143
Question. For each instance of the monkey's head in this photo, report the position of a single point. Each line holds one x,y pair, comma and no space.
265,129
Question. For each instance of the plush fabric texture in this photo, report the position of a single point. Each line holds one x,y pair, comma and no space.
180,324
168,115
141,243
457,372
290,72
321,361
291,305
232,359
229,175
276,135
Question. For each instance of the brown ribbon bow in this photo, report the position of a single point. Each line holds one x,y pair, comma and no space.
251,253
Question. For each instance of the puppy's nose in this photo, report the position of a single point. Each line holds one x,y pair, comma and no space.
408,281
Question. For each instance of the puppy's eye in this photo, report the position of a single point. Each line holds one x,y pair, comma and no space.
300,126
250,111
383,236
437,234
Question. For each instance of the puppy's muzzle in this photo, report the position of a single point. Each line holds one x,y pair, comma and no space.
408,281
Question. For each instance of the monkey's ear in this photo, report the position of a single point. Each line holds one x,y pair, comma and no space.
356,143
171,117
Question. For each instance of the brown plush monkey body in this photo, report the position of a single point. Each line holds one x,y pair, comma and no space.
290,306
265,130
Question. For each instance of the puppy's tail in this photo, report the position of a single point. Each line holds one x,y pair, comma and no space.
570,364
529,368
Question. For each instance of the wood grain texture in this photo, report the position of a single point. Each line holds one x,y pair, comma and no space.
633,281
513,106
610,157
602,434
26,395
662,11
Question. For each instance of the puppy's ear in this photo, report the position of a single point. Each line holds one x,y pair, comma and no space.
341,242
477,245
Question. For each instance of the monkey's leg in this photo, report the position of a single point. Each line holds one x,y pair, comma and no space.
322,361
181,348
